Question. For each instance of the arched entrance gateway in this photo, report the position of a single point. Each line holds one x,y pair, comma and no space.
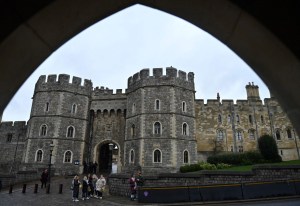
108,157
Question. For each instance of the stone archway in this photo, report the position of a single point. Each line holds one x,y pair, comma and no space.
108,157
36,36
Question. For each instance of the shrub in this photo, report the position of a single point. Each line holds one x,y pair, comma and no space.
190,168
207,166
268,148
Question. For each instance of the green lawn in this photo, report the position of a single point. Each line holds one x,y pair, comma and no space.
249,167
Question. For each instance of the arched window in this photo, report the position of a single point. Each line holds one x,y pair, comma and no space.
47,107
277,134
74,109
157,104
250,119
241,148
289,134
133,108
39,156
183,107
157,156
229,118
239,135
219,119
237,118
132,130
68,157
131,156
220,134
252,134
185,156
43,130
70,131
157,128
262,119
185,129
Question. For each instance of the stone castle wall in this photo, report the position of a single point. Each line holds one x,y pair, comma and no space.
102,116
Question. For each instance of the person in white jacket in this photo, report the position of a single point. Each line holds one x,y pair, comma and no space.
100,185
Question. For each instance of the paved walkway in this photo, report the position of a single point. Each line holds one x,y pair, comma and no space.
41,198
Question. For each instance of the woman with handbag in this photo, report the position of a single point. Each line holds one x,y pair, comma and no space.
100,186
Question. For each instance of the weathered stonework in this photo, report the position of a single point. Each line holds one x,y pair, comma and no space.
157,125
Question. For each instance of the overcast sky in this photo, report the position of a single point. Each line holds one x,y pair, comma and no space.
139,37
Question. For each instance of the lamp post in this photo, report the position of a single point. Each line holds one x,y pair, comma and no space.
49,167
110,147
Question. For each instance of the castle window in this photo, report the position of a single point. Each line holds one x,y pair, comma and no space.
185,156
132,130
9,137
237,119
231,148
220,134
39,156
131,156
133,108
68,157
70,131
251,134
250,119
289,134
157,156
241,149
157,128
43,130
157,104
74,109
47,107
229,118
262,119
183,107
239,136
219,119
277,134
185,129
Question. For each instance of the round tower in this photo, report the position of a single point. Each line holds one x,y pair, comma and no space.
160,121
59,117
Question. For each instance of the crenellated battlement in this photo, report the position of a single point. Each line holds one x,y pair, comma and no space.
172,77
62,83
106,93
9,125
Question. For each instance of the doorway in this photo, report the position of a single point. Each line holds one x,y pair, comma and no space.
108,157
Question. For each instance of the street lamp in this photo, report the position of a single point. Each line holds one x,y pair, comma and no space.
49,166
110,147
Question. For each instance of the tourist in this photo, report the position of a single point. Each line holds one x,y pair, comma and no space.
44,178
95,178
85,188
100,186
132,184
139,182
75,187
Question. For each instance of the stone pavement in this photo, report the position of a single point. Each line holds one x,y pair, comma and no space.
41,198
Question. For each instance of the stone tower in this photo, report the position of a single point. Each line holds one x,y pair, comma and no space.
160,121
59,116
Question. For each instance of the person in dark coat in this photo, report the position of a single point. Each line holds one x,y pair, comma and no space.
44,178
75,186
85,188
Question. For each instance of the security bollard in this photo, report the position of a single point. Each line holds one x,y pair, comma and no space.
24,188
10,189
48,189
36,186
60,188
